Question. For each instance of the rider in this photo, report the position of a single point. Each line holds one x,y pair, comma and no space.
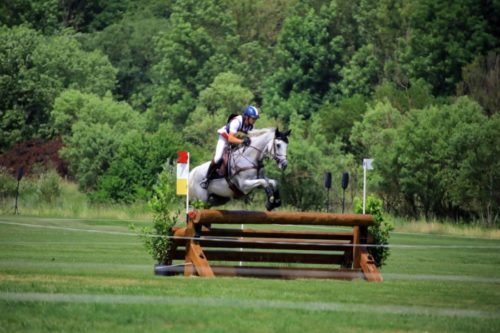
227,135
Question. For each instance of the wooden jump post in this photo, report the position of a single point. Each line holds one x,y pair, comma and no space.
302,254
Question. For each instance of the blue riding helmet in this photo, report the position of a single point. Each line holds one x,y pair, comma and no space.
251,111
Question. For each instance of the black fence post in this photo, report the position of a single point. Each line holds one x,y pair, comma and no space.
345,183
328,186
20,174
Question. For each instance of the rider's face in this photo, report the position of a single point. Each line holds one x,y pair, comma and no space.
251,121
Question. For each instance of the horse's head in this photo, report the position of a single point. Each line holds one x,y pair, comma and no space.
280,146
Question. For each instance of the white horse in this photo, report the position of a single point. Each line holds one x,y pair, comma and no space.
246,171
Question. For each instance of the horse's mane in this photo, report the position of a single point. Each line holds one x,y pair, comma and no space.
261,131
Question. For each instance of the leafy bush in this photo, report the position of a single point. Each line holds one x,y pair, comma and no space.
97,131
157,238
132,172
7,184
48,186
380,230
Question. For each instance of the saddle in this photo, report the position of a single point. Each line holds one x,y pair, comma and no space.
224,170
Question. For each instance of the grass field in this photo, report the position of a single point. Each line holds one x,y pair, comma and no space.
73,275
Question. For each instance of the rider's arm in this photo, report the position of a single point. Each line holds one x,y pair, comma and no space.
231,138
234,125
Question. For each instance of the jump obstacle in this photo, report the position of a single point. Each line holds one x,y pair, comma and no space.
211,251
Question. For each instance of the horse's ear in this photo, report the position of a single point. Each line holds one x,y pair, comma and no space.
287,133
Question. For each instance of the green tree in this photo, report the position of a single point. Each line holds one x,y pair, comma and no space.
338,120
308,60
468,150
361,73
439,38
61,63
419,165
255,62
92,15
129,44
98,128
18,90
488,196
136,164
194,50
481,81
259,21
445,162
375,137
34,71
380,23
417,94
42,15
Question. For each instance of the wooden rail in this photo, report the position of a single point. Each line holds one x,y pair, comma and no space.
208,216
272,253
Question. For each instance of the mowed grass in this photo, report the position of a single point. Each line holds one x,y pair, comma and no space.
56,278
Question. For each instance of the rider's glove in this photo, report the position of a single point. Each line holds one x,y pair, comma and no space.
246,141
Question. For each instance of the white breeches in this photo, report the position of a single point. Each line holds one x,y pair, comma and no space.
219,151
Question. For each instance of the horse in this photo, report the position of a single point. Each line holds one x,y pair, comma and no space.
246,171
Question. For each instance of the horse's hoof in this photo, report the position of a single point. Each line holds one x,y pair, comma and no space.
269,206
277,203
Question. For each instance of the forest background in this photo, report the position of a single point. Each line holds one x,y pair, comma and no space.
121,86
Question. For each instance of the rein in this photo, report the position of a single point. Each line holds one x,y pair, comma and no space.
277,157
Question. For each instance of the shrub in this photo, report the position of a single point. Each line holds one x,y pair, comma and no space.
132,171
48,186
157,238
7,184
380,230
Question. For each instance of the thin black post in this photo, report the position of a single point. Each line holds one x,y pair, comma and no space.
328,185
345,183
20,174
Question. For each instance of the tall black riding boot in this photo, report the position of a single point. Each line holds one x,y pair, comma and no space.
210,171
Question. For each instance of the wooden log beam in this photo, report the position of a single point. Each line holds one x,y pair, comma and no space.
368,266
276,244
269,233
271,272
211,216
276,257
194,258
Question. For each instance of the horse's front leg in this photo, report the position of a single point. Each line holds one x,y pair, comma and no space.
248,185
276,194
274,199
269,185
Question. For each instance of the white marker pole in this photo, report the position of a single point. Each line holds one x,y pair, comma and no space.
367,165
364,186
187,190
182,184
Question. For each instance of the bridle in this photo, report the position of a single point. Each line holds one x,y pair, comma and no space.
279,158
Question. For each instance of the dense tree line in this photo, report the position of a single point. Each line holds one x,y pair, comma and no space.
413,84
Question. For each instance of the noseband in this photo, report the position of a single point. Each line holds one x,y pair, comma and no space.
279,158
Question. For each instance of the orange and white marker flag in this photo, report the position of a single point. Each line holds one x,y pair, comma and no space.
182,172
